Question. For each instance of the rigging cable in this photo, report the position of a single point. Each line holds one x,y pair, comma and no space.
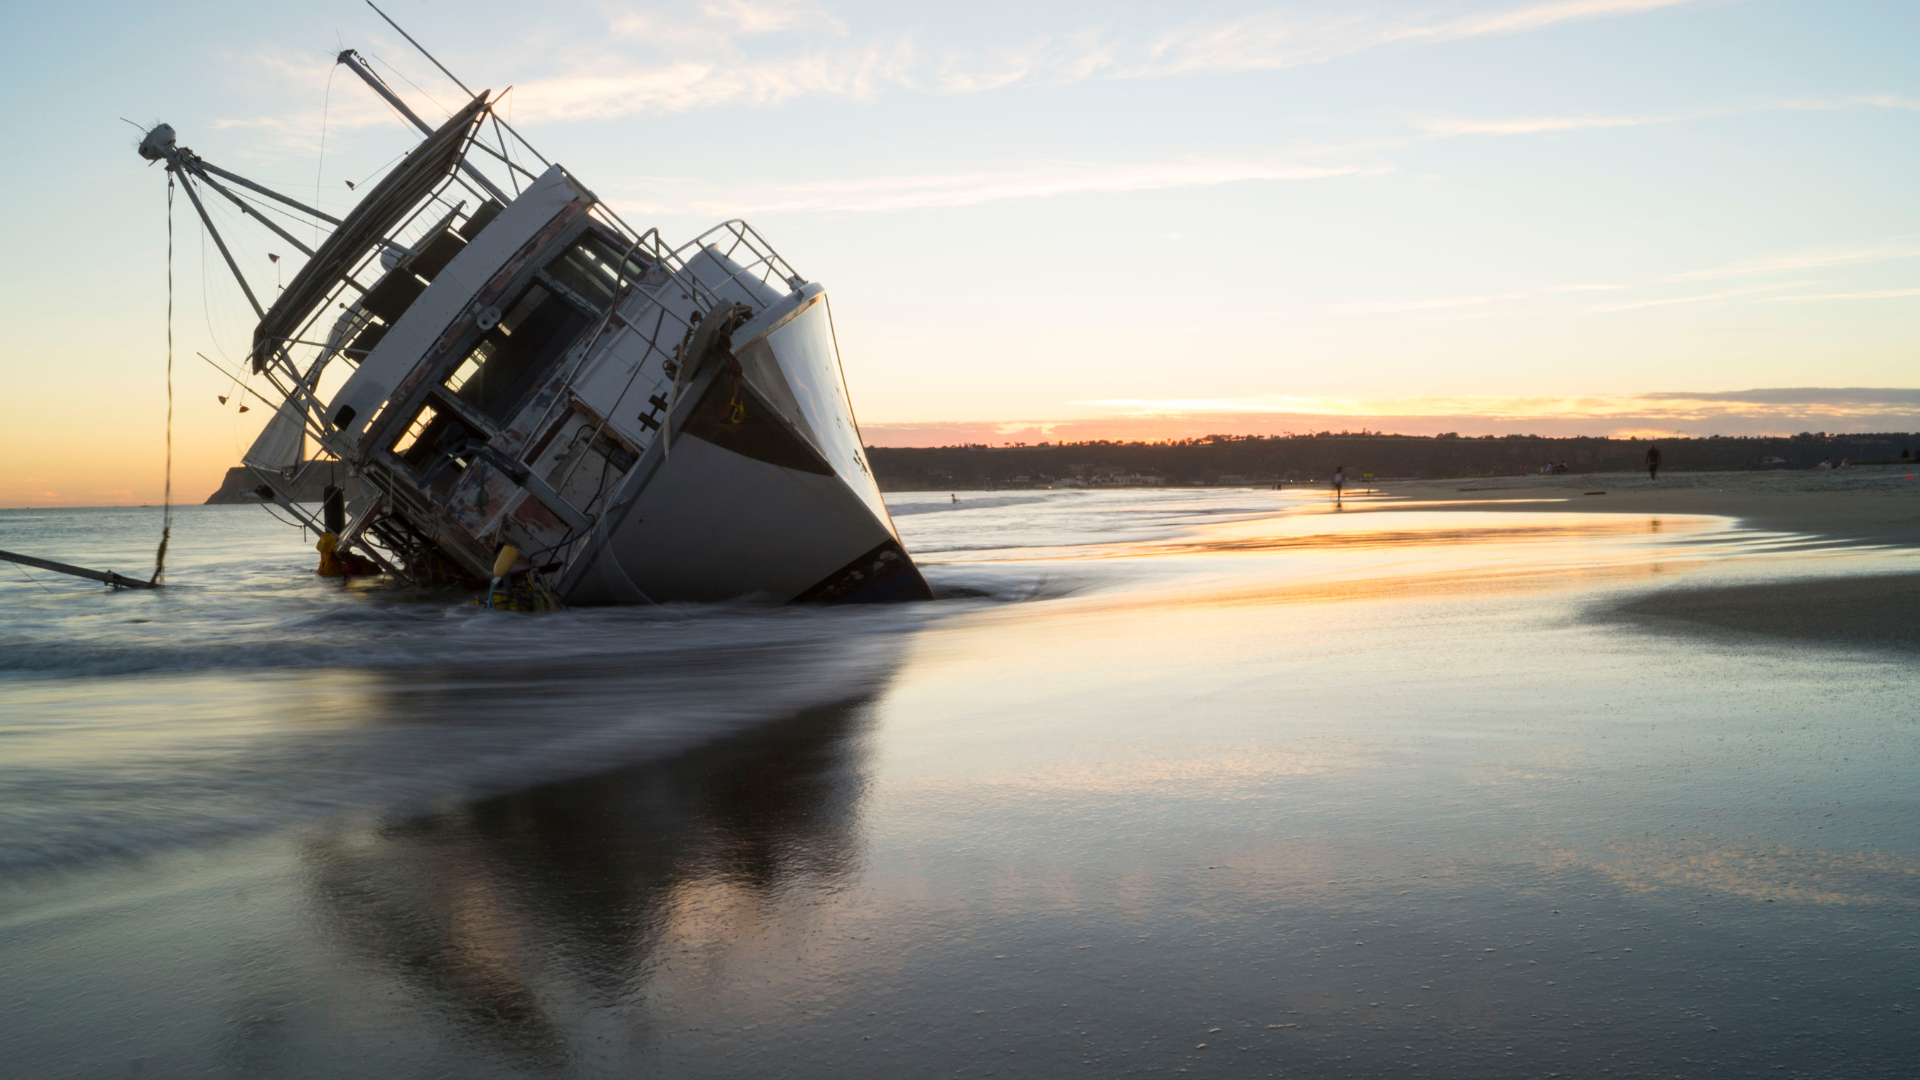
325,104
403,78
166,519
30,577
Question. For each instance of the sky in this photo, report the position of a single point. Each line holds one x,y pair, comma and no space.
1047,221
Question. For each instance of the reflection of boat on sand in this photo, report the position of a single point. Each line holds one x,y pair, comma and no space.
501,361
530,924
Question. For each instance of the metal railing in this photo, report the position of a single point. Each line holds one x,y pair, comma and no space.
742,244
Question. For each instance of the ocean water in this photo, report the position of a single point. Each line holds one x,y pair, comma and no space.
1227,783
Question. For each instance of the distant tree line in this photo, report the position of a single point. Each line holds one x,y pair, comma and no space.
1217,459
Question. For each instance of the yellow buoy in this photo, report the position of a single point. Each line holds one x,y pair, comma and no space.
503,564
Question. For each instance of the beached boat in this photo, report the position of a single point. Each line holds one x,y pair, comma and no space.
502,362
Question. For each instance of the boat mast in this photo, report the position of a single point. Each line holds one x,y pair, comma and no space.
456,79
159,146
352,60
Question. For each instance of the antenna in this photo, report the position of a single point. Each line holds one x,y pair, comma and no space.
423,51
455,78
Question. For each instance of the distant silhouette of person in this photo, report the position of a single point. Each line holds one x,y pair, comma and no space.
1339,480
1653,463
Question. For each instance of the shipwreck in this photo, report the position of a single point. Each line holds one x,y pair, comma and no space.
501,362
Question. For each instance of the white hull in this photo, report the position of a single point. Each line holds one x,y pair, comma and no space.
704,521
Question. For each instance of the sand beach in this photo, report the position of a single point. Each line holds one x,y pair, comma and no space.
1866,505
1871,503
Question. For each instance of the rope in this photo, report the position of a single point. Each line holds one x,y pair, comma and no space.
166,520
30,577
403,78
326,103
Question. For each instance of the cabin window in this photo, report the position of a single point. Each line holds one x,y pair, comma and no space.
510,358
437,445
414,430
591,268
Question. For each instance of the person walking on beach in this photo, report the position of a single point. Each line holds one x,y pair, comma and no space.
1339,480
1653,463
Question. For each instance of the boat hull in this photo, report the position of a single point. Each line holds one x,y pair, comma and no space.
762,489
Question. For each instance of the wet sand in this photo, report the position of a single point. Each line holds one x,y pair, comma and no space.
1873,613
1873,504
1200,784
1867,504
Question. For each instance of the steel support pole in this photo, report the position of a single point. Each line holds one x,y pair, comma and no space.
203,164
186,181
247,208
456,81
352,60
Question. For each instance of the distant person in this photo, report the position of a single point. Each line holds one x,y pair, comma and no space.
1825,463
1653,463
1339,480
955,498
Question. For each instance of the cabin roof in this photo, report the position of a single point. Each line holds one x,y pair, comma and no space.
425,167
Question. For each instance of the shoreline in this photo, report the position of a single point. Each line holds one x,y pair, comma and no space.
1875,504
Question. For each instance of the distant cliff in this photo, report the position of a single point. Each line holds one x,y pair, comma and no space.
240,483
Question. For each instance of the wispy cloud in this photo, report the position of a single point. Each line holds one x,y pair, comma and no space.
1538,17
1281,39
1872,397
1539,125
1879,101
1871,294
1037,179
1681,405
719,21
1775,411
1701,298
1889,250
713,70
1544,125
1440,302
764,53
1803,260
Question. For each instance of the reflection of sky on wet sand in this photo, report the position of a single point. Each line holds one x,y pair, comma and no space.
1262,795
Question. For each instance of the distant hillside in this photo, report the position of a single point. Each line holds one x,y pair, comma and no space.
240,482
1232,459
1253,459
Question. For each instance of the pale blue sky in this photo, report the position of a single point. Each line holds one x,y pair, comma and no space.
1052,212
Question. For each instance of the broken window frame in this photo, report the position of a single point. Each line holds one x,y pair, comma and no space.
541,275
